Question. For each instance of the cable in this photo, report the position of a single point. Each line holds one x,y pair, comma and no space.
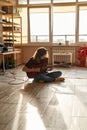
13,82
16,80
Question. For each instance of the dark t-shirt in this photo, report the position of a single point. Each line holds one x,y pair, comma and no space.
32,64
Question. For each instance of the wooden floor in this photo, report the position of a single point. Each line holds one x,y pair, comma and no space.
44,106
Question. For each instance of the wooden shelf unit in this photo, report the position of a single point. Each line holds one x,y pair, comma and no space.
12,30
2,12
7,2
12,33
1,22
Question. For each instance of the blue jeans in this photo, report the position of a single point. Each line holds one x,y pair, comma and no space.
48,76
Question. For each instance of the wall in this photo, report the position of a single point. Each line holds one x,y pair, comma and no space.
27,52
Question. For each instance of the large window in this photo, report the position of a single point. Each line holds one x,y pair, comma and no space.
82,0
83,24
39,24
22,1
59,22
23,14
39,1
61,1
64,24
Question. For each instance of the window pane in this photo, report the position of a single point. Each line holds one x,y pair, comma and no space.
39,1
64,24
22,1
39,25
60,1
23,14
83,24
82,0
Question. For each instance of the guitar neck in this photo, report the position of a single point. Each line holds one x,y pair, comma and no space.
60,65
49,66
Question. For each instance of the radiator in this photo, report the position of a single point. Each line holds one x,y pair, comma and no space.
62,54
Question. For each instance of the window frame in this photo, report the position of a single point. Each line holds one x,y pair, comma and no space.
29,40
78,4
62,5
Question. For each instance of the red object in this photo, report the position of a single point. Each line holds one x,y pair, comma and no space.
82,53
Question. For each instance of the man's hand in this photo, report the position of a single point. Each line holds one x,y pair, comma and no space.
50,68
36,69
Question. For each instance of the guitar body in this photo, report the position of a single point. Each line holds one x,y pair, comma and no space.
42,71
32,74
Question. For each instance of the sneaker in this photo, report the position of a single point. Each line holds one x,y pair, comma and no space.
60,79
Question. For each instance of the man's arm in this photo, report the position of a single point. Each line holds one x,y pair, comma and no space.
26,69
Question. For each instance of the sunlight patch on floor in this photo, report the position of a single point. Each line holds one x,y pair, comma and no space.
33,119
16,120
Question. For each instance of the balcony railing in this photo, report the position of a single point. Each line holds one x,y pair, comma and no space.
56,38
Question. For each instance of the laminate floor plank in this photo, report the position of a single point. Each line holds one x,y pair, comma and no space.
44,106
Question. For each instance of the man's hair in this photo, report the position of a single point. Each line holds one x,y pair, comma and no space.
41,51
